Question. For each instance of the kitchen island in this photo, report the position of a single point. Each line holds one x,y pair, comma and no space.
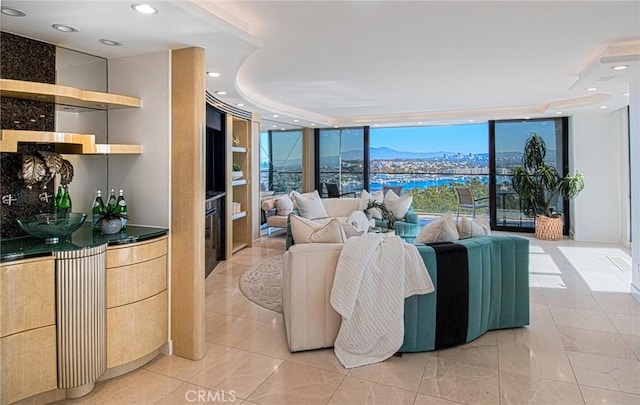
85,309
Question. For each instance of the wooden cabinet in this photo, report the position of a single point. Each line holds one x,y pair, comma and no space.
137,306
27,329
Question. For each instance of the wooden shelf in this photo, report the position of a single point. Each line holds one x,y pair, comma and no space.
239,149
239,215
239,182
53,93
238,245
64,142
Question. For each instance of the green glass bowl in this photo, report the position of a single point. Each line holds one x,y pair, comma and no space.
49,227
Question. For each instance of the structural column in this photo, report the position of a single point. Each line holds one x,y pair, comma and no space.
187,202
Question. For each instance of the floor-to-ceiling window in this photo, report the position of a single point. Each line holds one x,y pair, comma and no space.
429,161
507,139
340,158
281,161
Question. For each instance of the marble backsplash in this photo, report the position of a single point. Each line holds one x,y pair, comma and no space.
24,59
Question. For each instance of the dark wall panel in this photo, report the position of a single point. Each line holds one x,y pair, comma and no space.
23,59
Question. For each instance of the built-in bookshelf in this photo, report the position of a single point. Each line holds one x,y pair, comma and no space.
239,208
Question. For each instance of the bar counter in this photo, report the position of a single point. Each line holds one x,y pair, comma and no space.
84,238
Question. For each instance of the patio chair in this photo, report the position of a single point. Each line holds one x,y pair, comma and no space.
467,200
334,192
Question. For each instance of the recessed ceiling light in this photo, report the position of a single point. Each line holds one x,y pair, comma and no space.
221,92
604,106
274,126
469,120
312,124
527,118
275,115
625,94
281,129
420,123
591,89
376,125
110,42
335,126
12,12
239,105
213,74
296,120
559,112
64,28
144,9
620,67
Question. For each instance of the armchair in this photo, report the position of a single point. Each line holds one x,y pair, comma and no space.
407,228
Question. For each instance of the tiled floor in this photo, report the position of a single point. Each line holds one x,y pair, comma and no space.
583,346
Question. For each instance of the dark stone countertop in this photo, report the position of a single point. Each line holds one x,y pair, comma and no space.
27,247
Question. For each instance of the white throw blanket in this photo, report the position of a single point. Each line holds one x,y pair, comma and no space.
373,276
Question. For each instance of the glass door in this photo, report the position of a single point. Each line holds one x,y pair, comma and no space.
341,158
506,143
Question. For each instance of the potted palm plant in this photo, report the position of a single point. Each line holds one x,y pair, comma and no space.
538,183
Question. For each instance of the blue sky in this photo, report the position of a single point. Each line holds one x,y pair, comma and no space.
472,138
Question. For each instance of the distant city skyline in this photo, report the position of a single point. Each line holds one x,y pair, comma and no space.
471,138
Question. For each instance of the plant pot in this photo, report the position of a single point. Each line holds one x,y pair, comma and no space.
548,228
111,226
235,175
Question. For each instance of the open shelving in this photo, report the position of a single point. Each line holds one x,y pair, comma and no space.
54,93
239,229
64,142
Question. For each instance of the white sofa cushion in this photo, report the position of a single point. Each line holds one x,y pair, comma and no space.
304,230
398,205
469,229
365,197
284,205
442,229
310,207
340,207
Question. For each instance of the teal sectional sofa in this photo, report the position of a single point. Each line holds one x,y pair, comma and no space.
480,284
494,294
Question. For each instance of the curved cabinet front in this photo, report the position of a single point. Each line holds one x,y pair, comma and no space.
81,318
137,304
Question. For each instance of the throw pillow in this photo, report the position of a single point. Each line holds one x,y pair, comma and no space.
310,207
398,205
365,197
442,229
350,230
284,205
359,221
469,229
306,231
484,223
294,193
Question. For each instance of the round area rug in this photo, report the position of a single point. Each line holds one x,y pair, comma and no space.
263,284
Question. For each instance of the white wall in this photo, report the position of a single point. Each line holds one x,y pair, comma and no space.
634,147
145,178
596,149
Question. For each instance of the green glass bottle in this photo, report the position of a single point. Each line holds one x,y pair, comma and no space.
64,207
97,210
112,202
56,201
121,208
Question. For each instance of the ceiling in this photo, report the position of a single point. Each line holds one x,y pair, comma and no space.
379,63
